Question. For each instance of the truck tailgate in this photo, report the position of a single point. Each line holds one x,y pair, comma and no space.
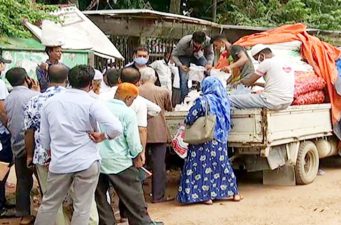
261,127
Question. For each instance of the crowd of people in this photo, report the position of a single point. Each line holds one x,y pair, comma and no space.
82,132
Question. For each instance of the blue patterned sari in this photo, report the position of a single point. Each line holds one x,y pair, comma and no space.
207,173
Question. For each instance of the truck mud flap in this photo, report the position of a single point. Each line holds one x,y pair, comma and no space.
284,176
277,156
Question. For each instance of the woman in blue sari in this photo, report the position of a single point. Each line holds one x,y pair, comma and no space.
207,174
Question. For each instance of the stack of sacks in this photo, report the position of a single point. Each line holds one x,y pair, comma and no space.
288,52
308,89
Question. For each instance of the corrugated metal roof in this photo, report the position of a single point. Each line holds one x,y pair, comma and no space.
151,13
170,16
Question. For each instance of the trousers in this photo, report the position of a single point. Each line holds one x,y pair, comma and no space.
84,183
246,101
6,155
127,185
24,187
62,219
185,60
158,165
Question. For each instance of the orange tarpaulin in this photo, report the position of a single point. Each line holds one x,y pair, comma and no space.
320,55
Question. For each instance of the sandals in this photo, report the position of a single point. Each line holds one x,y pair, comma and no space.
234,198
237,198
208,202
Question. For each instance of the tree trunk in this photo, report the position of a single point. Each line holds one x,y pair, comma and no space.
175,6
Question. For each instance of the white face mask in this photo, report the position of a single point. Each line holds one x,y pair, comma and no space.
199,54
222,49
259,60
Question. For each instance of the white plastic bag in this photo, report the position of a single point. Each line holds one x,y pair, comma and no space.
196,73
222,76
191,97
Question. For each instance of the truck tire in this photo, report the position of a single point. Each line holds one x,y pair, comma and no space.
307,163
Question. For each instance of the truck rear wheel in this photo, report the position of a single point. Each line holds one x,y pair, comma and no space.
307,163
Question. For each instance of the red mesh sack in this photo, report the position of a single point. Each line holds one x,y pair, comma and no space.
307,82
314,97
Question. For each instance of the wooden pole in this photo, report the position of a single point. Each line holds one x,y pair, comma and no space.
214,10
175,6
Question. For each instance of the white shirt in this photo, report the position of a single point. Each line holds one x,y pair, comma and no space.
143,107
3,96
104,87
93,94
164,72
176,80
279,80
66,120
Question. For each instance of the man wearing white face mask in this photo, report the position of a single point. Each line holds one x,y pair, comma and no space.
240,63
279,82
141,58
196,49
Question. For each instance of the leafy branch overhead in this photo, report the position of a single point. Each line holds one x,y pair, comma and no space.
13,12
324,14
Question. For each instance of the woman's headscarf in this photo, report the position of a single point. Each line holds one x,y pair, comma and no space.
214,92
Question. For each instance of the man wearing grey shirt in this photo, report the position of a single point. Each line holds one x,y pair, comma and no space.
69,128
196,49
14,107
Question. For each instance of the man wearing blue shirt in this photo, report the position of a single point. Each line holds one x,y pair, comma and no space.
67,122
117,163
6,154
14,106
55,54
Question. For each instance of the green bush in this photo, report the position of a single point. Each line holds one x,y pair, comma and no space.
13,12
315,13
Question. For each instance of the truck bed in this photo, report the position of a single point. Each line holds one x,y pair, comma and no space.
262,127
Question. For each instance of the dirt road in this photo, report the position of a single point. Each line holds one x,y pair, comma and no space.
315,204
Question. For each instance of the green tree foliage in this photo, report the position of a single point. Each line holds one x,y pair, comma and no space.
13,12
324,14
